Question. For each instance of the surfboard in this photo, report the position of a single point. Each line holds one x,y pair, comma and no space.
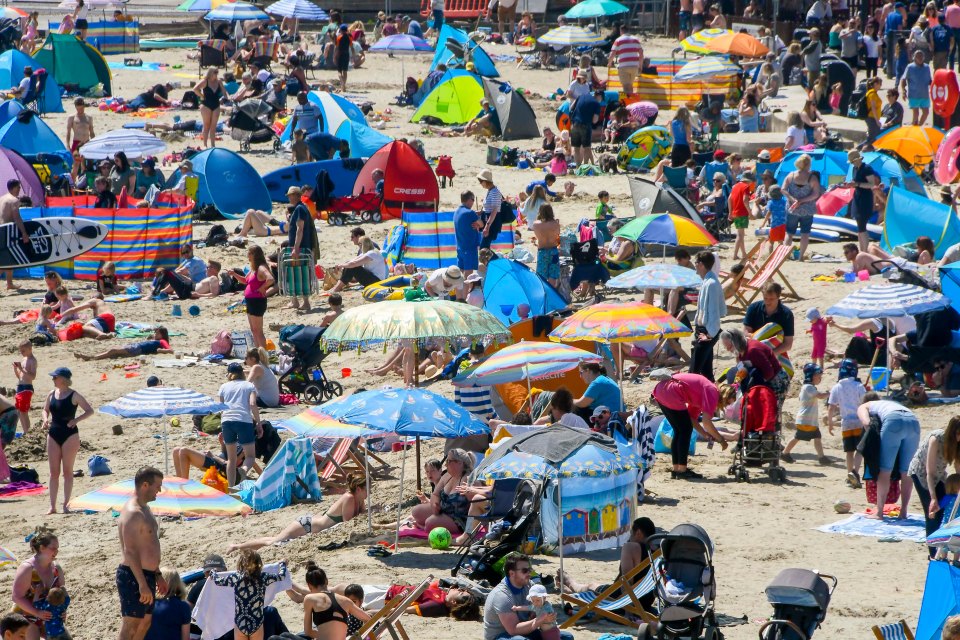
50,240
343,173
845,226
820,235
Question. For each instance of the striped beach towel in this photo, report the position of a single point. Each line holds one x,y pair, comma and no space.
291,473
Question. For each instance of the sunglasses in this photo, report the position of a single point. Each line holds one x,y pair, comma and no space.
525,570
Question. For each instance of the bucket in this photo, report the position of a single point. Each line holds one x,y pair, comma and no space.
346,372
879,378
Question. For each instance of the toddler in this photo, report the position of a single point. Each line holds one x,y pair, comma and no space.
845,397
612,129
818,331
775,215
249,589
46,329
64,301
836,95
808,418
298,150
540,607
107,280
951,489
355,593
56,603
558,165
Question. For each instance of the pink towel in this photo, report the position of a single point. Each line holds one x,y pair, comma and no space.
4,467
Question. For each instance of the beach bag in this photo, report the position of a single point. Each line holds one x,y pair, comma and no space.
214,479
24,474
97,466
222,344
216,236
893,495
209,424
664,439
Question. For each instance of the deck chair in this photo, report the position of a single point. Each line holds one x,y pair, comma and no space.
616,609
213,53
388,618
893,631
770,269
344,458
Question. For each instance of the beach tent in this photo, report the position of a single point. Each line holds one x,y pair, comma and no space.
950,283
891,172
364,141
9,109
517,120
228,182
451,55
509,283
455,99
30,136
409,183
428,240
650,197
909,215
15,166
941,599
74,64
12,63
832,166
335,110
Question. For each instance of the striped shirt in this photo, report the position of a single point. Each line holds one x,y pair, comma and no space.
491,204
627,50
476,400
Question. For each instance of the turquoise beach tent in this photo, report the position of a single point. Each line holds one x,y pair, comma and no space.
941,600
335,111
30,136
480,58
909,215
364,141
228,182
509,283
12,63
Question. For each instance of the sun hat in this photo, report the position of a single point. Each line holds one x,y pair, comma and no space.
813,314
453,275
473,277
485,176
537,591
582,74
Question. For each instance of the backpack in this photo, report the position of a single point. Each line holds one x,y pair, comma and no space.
222,344
217,236
506,215
860,110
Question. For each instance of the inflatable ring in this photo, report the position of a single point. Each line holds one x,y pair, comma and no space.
645,148
945,166
390,289
771,334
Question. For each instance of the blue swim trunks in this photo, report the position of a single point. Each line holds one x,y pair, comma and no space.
548,263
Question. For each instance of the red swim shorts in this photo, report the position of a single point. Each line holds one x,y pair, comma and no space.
22,401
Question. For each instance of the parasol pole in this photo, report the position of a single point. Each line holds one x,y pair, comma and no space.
166,455
366,468
403,468
560,524
526,370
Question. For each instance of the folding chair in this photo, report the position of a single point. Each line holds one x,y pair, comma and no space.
343,459
771,268
33,98
893,631
629,602
213,53
388,618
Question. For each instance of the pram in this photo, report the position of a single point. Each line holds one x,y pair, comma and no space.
343,210
249,124
759,441
305,377
800,598
515,504
686,587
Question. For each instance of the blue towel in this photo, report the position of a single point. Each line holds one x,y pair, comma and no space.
912,529
291,472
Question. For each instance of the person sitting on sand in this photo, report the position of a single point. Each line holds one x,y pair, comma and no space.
257,223
102,325
447,506
346,508
159,344
185,458
336,309
325,612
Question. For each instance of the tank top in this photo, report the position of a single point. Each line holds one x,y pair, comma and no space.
62,410
679,132
253,286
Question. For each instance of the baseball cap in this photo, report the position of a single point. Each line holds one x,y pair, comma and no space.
764,156
813,314
61,372
235,367
214,561
599,411
719,154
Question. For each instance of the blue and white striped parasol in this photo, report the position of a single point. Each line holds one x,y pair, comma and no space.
161,402
569,36
235,12
299,9
707,67
888,301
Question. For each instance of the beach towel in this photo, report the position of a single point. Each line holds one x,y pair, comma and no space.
215,600
413,532
123,297
291,473
912,529
20,489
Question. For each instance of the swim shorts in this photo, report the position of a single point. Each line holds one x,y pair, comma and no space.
548,263
778,233
851,438
806,433
24,395
741,222
130,605
919,103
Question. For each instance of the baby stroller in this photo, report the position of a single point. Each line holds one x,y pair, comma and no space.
305,378
759,442
686,587
800,598
250,124
515,515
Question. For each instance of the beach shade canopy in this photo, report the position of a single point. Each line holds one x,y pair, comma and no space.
611,322
642,111
707,67
299,9
455,99
9,109
162,402
15,166
364,141
657,276
401,44
406,412
941,600
697,43
334,109
6,556
595,9
516,116
178,497
834,200
228,182
570,36
236,12
455,48
909,215
509,283
12,13
916,145
737,44
650,197
312,423
527,361
666,229
12,63
201,6
408,183
830,164
393,321
30,136
888,301
891,172
74,64
135,143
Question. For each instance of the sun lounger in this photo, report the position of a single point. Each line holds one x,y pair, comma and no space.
617,609
387,620
345,457
893,631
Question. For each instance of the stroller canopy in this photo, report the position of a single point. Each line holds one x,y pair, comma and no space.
686,542
12,63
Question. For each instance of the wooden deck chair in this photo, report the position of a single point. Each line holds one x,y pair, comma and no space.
388,618
770,270
893,631
628,602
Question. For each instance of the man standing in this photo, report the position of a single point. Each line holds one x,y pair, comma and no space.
466,226
307,116
771,309
951,18
10,213
500,621
79,133
895,20
138,576
492,203
584,113
301,237
711,309
628,53
916,85
506,13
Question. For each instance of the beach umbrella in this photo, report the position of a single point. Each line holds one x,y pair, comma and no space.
611,322
178,497
12,13
595,9
93,4
201,5
298,9
569,36
236,12
831,202
6,556
667,229
737,44
642,111
697,43
888,301
916,145
402,44
657,276
526,361
707,67
133,142
314,424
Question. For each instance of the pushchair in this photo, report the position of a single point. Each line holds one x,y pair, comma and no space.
515,506
250,124
685,588
800,598
305,378
759,441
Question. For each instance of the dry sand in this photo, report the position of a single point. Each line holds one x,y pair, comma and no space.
758,528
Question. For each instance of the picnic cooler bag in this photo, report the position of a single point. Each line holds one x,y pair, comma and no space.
298,276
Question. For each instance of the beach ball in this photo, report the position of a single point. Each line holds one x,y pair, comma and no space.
440,538
841,506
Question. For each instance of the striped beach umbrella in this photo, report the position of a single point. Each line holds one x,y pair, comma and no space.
299,9
6,556
314,424
178,497
198,6
12,13
657,276
236,12
888,301
697,43
611,322
707,67
667,229
595,9
569,36
527,361
642,111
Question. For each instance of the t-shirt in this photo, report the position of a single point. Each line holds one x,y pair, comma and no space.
934,328
502,599
435,282
874,104
578,89
886,409
894,22
300,212
951,16
778,212
268,389
871,46
604,392
688,391
918,81
308,117
892,115
849,43
583,111
808,414
627,50
468,238
795,138
169,616
757,317
476,400
737,194
760,356
846,396
951,255
24,86
148,97
375,264
195,267
414,29
236,395
492,201
150,347
862,197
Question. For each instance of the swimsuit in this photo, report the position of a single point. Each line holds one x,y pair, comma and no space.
327,615
62,411
129,590
249,594
211,97
9,419
105,322
38,590
23,397
455,506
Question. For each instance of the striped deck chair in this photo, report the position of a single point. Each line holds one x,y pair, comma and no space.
770,269
387,620
616,609
893,631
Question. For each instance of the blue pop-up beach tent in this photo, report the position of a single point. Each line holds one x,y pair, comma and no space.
13,62
509,283
909,215
941,599
30,136
228,182
480,58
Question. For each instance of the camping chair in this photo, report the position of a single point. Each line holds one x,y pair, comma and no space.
893,631
33,98
770,268
677,179
388,618
213,53
766,166
264,53
616,610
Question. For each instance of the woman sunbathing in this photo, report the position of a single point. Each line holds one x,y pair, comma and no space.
159,344
347,507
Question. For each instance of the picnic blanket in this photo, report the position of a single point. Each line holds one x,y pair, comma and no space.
292,472
912,529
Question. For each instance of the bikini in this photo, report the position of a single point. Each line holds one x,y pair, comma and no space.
455,506
328,614
62,411
211,97
307,521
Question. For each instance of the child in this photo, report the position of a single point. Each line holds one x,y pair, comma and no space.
56,603
808,418
818,330
612,129
540,607
26,371
951,489
46,330
739,208
249,588
336,308
52,280
558,165
776,217
64,301
565,146
299,152
845,398
836,95
13,626
355,593
107,280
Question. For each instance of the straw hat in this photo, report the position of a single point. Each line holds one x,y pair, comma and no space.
485,176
